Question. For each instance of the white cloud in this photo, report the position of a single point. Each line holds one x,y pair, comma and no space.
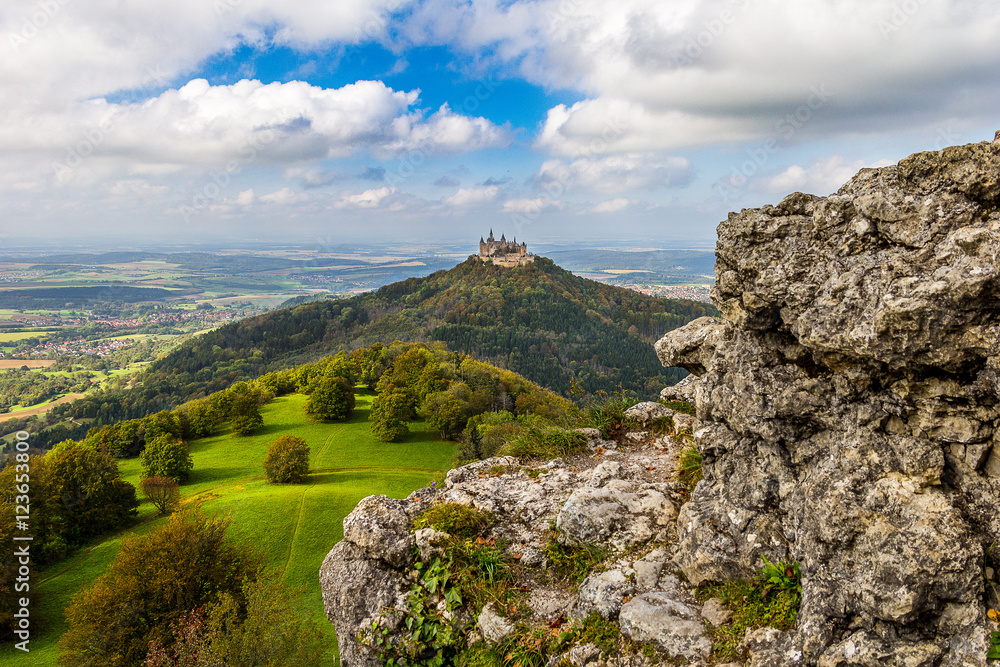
368,199
246,122
281,197
245,198
614,173
64,50
612,205
702,72
446,132
137,187
821,177
475,196
530,206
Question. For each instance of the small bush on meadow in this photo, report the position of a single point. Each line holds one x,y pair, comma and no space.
287,460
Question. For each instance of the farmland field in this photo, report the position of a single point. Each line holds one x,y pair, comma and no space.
30,363
294,526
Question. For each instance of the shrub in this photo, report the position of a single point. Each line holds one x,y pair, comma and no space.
166,457
544,443
266,629
153,581
163,492
287,460
203,419
84,494
332,399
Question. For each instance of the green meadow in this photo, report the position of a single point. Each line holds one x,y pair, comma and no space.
294,526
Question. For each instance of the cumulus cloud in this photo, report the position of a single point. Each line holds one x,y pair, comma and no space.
470,197
375,198
612,205
249,122
281,197
699,72
62,50
821,177
615,173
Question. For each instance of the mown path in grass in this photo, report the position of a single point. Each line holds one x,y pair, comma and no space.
294,526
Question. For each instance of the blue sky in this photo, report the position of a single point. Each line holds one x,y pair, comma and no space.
639,120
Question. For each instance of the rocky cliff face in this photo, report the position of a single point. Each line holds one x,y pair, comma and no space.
849,411
848,408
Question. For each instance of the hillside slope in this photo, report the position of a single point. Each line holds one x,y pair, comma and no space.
539,320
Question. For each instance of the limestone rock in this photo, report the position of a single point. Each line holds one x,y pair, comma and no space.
672,626
429,542
646,412
616,517
548,604
682,391
848,411
355,589
380,527
715,612
603,592
493,626
371,570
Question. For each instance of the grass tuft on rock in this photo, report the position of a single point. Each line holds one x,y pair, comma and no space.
771,599
455,519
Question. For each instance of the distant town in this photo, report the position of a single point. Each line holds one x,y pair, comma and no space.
691,292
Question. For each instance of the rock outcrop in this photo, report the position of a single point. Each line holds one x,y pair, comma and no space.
621,501
848,412
848,418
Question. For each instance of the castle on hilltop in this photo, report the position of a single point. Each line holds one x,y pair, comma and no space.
504,252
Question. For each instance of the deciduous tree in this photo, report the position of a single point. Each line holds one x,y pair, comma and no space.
163,492
150,584
244,414
166,457
332,399
389,416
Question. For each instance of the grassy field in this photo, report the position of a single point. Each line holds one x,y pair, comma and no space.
15,336
294,526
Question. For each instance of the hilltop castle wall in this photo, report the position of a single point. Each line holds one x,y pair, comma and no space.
503,252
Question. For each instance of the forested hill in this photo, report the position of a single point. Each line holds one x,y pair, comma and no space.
538,320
